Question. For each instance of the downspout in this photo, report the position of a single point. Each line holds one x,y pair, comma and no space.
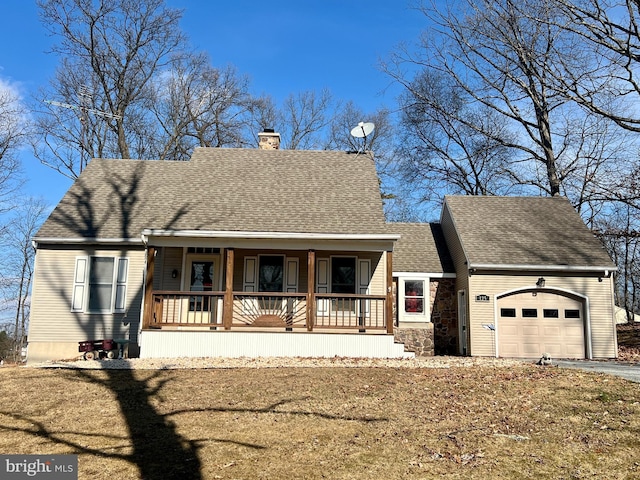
613,314
587,321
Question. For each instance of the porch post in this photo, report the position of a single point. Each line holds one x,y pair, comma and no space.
389,303
227,309
148,288
311,288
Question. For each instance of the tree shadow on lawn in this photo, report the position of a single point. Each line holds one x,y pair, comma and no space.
159,450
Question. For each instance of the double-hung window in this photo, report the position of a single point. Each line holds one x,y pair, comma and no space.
413,300
100,284
414,296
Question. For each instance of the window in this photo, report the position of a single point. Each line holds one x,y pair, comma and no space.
270,279
343,280
572,314
550,313
343,275
414,296
271,273
529,313
508,312
203,250
100,285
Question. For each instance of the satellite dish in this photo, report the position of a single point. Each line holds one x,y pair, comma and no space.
362,130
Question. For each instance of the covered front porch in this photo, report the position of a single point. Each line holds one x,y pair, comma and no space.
284,311
275,297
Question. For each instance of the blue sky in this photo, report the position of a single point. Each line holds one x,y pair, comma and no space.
284,46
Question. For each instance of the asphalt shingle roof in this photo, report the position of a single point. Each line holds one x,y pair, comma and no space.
223,190
421,248
540,231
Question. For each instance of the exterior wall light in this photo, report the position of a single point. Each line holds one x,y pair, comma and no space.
540,282
174,273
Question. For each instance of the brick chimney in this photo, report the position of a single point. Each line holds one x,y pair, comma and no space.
269,140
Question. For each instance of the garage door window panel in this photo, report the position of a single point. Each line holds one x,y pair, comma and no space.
550,313
529,313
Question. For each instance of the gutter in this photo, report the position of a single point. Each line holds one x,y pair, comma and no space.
83,240
146,233
608,270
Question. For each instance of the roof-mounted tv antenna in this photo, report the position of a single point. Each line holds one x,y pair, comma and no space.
363,130
84,97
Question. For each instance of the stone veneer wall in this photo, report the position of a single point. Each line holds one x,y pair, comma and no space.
444,315
440,337
417,340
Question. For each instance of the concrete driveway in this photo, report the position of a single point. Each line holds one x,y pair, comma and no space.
629,371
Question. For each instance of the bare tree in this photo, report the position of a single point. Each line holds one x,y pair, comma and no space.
619,233
448,144
263,113
17,271
14,132
304,117
347,116
503,102
608,85
114,48
199,105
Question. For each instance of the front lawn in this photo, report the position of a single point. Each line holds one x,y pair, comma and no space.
481,422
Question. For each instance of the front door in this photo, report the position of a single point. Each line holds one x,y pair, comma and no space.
202,276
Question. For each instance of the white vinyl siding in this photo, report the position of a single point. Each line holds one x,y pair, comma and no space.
59,285
482,313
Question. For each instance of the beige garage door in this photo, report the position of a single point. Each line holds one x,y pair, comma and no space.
533,323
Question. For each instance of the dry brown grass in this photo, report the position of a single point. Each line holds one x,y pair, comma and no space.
335,423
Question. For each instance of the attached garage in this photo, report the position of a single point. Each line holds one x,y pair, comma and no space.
531,278
532,323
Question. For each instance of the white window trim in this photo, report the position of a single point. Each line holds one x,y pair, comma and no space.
405,316
81,286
